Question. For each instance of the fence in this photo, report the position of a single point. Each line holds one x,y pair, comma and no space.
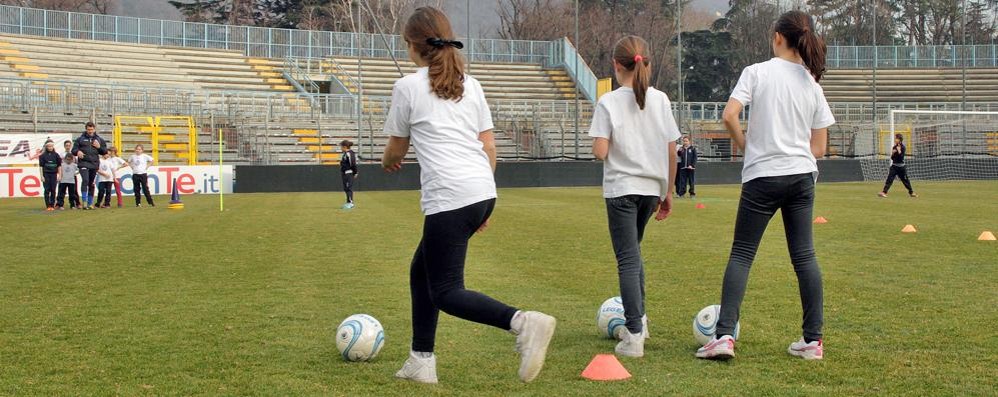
930,56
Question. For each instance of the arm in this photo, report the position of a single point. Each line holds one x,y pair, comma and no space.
353,164
819,142
489,145
731,113
693,159
665,205
601,147
394,153
76,148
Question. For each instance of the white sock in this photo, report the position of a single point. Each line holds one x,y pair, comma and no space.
421,354
516,323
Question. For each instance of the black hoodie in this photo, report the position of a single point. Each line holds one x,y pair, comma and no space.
91,155
50,162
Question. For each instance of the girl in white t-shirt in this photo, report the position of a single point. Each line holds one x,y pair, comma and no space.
635,135
443,112
140,163
787,130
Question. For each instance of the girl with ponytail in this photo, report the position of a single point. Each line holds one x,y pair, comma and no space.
787,130
444,114
635,135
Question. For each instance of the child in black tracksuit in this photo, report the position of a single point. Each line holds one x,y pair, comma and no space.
687,168
897,168
348,169
51,164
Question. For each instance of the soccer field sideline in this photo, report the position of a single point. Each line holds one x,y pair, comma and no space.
245,302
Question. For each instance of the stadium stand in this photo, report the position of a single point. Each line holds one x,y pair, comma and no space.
911,85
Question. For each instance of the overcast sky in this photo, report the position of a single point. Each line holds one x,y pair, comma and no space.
483,12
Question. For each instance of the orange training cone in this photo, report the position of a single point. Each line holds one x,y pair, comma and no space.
605,367
820,220
700,206
908,229
986,236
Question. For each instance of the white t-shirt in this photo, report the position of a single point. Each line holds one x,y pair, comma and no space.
106,166
639,156
139,163
116,162
454,169
786,105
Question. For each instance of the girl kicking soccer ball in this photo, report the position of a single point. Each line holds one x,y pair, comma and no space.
787,129
635,136
444,114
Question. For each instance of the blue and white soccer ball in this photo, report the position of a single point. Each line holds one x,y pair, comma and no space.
610,318
705,324
360,338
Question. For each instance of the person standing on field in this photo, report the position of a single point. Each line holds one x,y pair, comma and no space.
88,149
348,171
140,163
897,168
51,164
686,176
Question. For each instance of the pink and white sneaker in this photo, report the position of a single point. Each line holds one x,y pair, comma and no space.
808,351
718,349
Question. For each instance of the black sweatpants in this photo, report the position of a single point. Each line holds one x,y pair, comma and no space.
51,185
348,186
140,185
436,278
74,197
104,193
901,173
87,188
793,195
684,178
627,217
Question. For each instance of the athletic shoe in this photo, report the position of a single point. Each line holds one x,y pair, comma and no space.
644,327
533,334
347,206
631,345
808,351
152,205
62,208
419,369
693,197
49,209
718,349
138,205
913,195
882,194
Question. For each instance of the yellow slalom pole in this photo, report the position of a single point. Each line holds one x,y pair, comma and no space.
221,174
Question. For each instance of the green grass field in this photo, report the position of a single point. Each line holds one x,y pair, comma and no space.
196,302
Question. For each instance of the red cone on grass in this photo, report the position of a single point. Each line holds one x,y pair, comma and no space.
986,236
909,229
820,220
700,206
605,367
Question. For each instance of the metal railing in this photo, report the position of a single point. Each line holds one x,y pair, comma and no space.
566,56
251,41
930,56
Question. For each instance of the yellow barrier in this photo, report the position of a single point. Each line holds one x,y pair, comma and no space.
603,86
153,126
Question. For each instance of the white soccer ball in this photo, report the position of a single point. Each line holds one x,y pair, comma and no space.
360,338
610,318
705,324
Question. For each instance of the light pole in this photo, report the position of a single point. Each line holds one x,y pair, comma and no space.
577,78
679,58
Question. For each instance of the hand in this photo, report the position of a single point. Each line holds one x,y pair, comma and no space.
356,176
79,154
485,225
95,144
392,168
664,208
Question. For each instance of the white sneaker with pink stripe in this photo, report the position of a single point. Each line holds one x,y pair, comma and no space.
722,348
808,351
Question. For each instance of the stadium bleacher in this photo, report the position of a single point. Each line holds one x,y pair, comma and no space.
911,85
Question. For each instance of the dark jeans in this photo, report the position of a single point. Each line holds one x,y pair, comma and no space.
793,195
684,178
74,198
51,182
436,278
348,186
902,174
140,185
627,217
104,193
87,178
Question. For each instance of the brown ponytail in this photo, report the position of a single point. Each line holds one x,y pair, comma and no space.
631,52
429,32
798,29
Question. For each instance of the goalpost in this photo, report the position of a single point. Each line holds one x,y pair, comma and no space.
940,145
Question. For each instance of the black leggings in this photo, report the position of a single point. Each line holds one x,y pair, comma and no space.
51,186
87,178
140,185
348,186
104,193
436,278
902,174
793,195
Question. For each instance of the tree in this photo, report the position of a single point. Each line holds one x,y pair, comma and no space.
851,22
750,24
709,75
90,6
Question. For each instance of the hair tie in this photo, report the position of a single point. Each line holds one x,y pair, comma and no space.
638,58
437,42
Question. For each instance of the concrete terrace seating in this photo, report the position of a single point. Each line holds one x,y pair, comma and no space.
137,64
911,85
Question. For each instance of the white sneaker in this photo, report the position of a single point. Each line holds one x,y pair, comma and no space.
419,369
632,345
644,327
808,351
533,334
718,349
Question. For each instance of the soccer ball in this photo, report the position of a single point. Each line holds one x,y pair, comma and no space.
360,338
705,324
610,318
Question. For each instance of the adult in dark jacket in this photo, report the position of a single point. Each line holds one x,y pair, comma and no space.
51,163
88,148
686,175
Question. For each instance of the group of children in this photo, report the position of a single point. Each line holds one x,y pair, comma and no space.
442,113
96,165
